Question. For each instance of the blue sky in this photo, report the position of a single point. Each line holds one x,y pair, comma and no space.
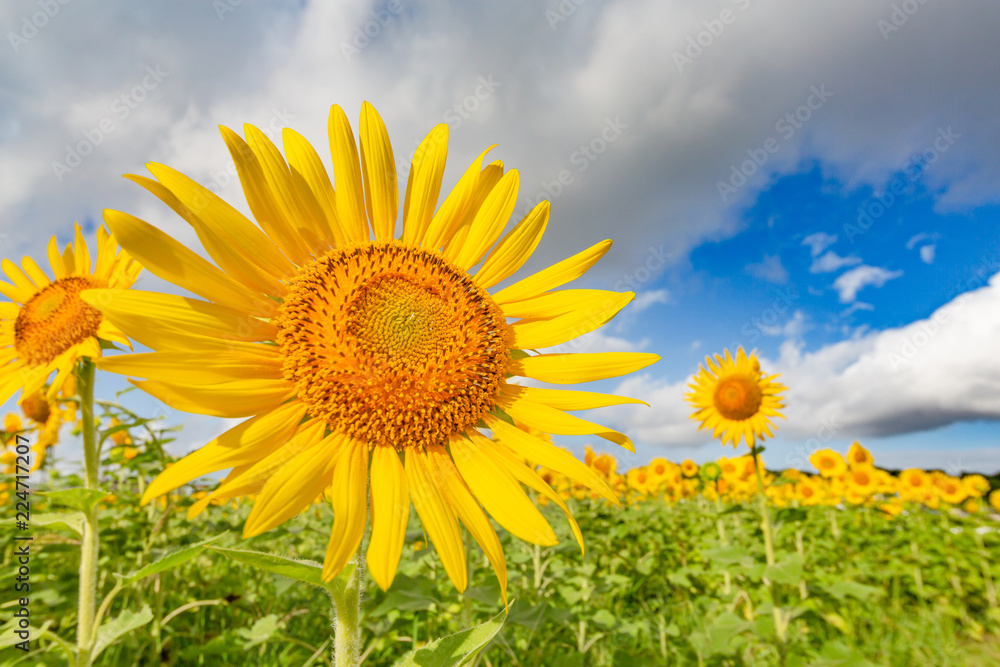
815,180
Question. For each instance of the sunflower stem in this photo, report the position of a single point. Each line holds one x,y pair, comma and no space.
765,516
90,542
347,617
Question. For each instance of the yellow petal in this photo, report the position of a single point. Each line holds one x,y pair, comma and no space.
452,212
534,334
33,271
500,493
551,420
350,506
294,486
133,310
390,508
379,168
307,166
554,276
350,199
245,443
16,275
261,198
502,455
424,184
173,262
488,178
436,516
490,220
564,399
55,259
468,510
236,244
238,398
552,304
299,212
81,255
515,248
196,367
542,453
582,367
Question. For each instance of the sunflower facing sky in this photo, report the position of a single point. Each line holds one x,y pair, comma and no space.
46,326
349,346
734,399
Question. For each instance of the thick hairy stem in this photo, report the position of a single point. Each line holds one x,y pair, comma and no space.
90,542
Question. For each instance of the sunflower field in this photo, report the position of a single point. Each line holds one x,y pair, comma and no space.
374,371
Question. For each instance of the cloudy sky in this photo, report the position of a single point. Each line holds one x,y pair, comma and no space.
819,181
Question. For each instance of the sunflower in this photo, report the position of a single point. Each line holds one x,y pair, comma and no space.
734,398
45,419
859,457
689,468
829,463
349,347
46,326
913,484
994,499
862,481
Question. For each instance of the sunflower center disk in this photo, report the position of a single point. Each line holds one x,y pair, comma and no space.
393,345
54,320
738,398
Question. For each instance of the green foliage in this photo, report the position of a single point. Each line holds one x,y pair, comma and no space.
657,585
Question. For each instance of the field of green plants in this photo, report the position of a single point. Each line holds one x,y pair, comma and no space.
663,581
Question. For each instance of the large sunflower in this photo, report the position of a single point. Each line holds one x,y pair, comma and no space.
47,326
735,399
350,347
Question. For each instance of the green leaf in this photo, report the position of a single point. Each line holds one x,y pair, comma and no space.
115,628
725,555
68,520
456,649
79,499
308,572
264,629
844,587
788,571
169,561
604,619
9,638
838,654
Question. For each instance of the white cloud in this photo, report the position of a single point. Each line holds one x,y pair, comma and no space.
917,238
927,253
769,269
831,261
856,306
644,300
925,375
848,284
793,328
819,242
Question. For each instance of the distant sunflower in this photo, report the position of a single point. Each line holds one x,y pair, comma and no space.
689,468
859,457
734,398
829,463
47,326
349,347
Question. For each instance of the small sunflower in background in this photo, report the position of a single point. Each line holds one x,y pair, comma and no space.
47,327
45,420
859,457
689,468
829,463
350,347
734,399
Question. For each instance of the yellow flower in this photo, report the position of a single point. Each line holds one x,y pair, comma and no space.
949,489
859,457
862,481
734,398
976,485
971,506
12,423
47,326
347,351
689,468
807,492
994,499
893,507
913,484
828,462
